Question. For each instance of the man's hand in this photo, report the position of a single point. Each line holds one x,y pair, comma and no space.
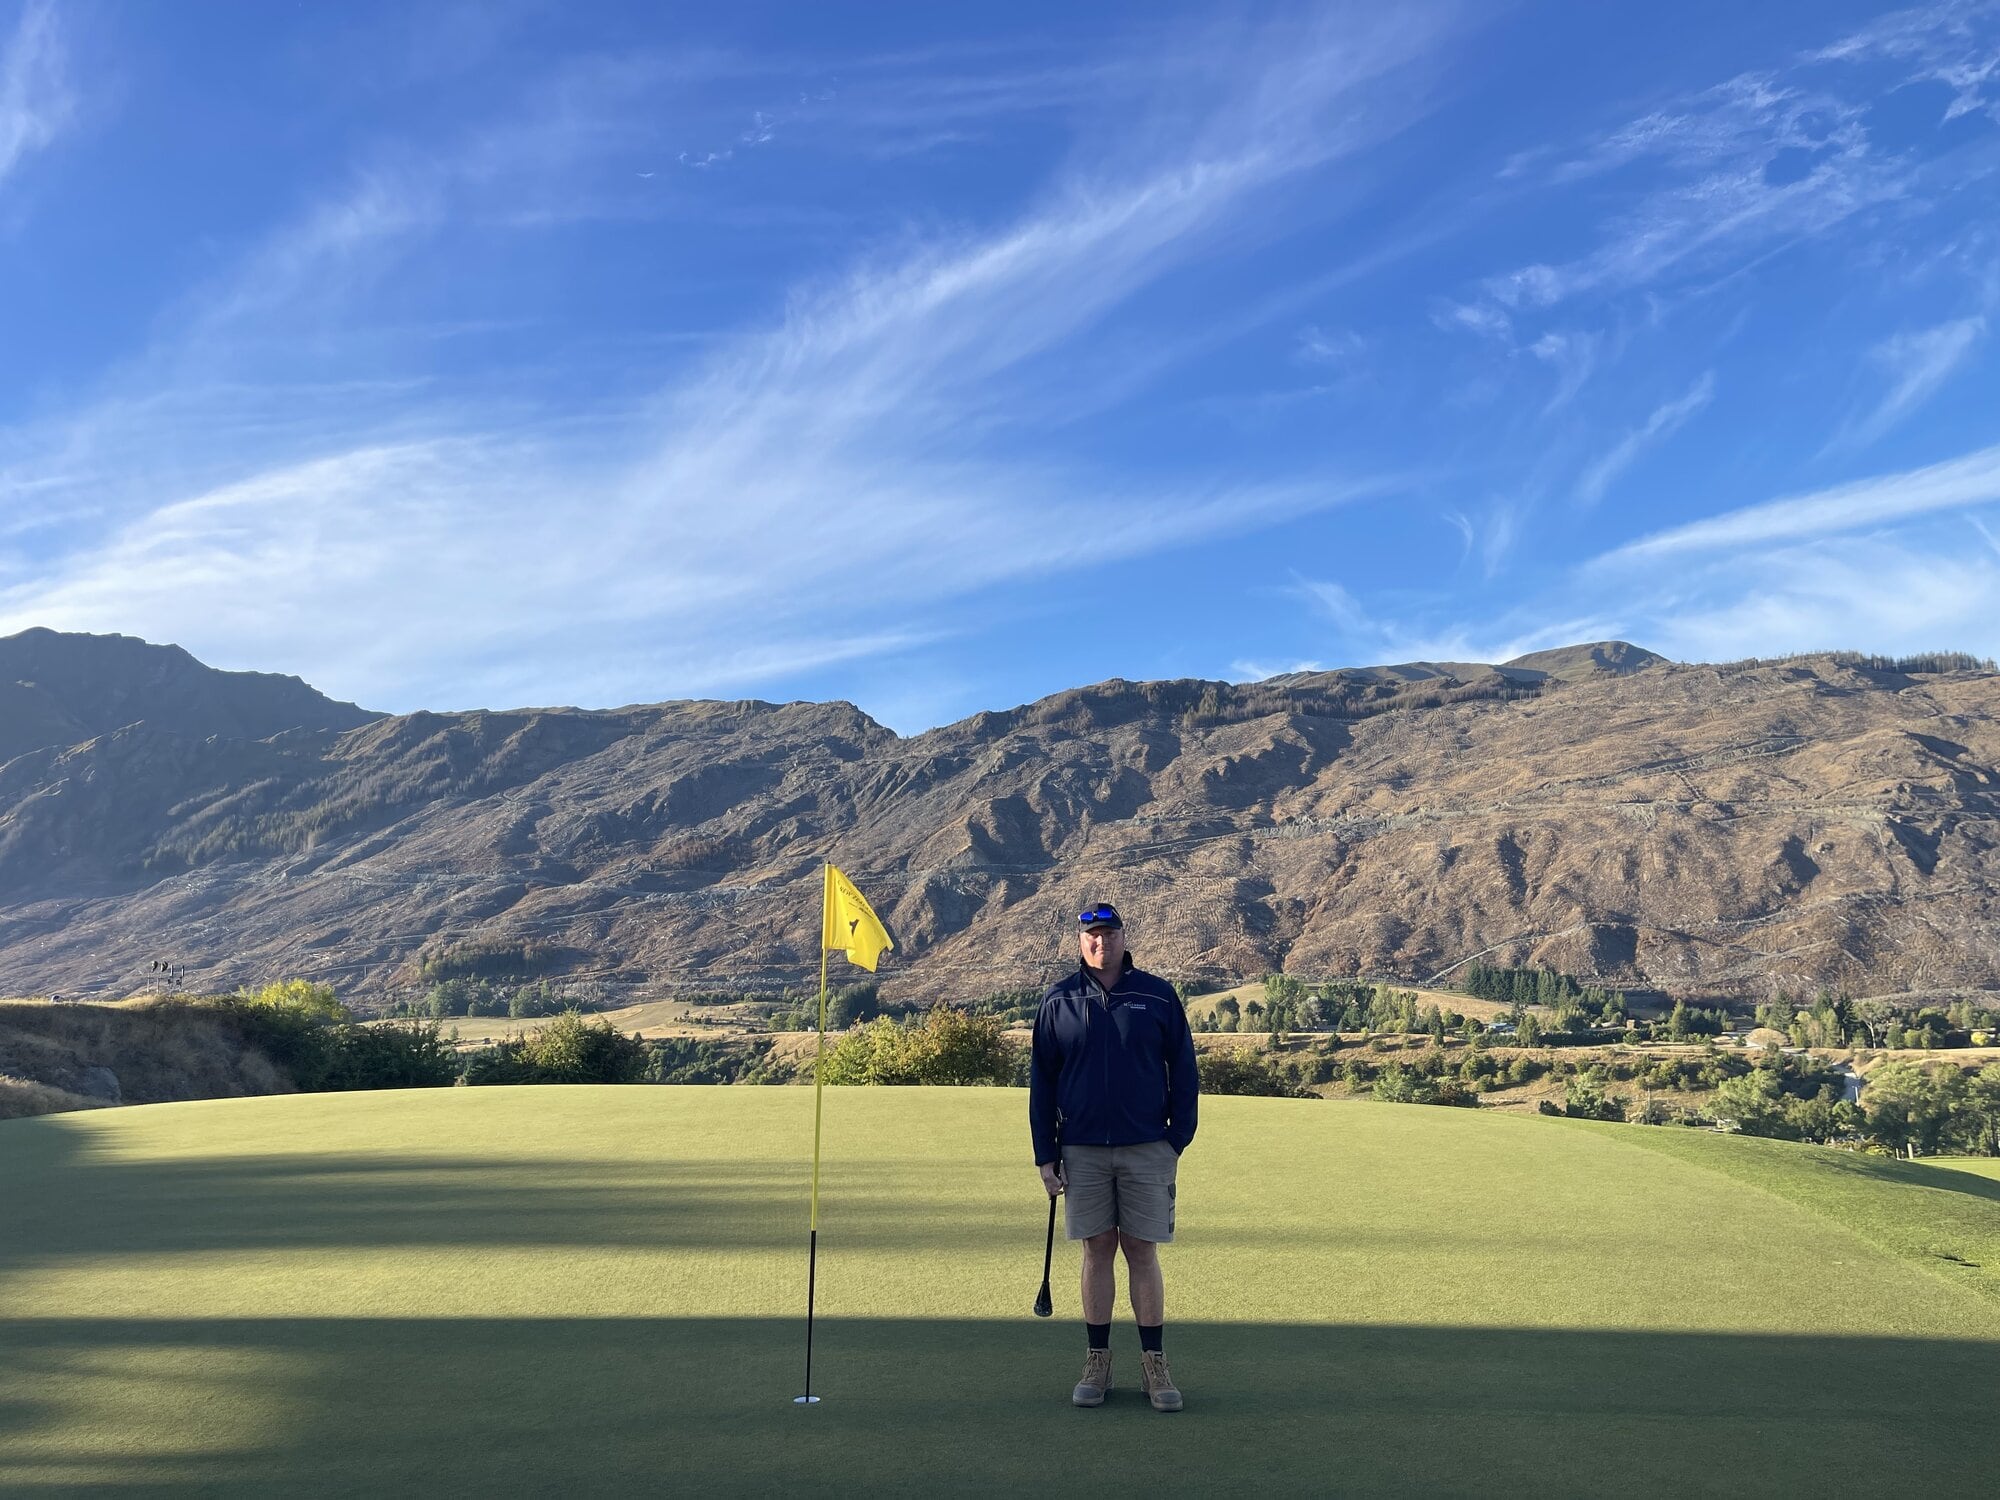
1052,1178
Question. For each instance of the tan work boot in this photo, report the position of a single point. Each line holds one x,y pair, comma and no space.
1157,1383
1096,1379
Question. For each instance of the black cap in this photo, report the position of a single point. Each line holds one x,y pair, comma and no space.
1101,915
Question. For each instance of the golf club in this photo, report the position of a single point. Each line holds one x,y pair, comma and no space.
1043,1307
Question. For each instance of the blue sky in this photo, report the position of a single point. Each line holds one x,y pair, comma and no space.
940,357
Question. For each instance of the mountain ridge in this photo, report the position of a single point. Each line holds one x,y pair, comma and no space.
1690,828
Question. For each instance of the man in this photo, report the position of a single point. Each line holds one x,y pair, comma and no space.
1111,1103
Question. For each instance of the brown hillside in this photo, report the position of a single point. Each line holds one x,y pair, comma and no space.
82,1056
1702,829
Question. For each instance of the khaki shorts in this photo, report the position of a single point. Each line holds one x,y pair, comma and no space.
1129,1188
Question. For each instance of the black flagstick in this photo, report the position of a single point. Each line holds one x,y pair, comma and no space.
812,1273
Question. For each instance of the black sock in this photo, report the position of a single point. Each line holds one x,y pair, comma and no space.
1149,1338
1100,1335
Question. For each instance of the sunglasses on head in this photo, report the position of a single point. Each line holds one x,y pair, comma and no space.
1097,914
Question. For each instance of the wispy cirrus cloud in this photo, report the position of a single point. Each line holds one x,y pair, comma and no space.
1871,593
1959,483
1667,419
1748,163
855,459
1368,638
1335,348
1918,366
1572,354
37,101
1725,175
1942,43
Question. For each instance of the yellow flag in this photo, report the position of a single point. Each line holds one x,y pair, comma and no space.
849,923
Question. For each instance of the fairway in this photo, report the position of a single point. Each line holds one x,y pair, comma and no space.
560,1289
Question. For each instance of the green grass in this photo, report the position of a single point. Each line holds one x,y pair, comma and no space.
530,1291
1979,1166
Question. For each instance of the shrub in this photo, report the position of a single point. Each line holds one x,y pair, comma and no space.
1584,1099
692,1060
300,997
572,1050
567,1050
1657,1112
306,1031
1234,1071
946,1047
291,1022
391,1055
1400,1085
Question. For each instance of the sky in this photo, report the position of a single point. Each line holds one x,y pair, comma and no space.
937,358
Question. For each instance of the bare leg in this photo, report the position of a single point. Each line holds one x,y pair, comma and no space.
1143,1280
1100,1292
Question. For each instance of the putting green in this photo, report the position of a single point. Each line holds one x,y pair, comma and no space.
532,1290
1981,1166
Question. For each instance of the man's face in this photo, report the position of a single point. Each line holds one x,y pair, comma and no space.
1103,948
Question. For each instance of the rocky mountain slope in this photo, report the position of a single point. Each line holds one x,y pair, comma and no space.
1698,829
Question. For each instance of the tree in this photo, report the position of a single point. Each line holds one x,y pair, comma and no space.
1677,1023
1396,1084
1979,1113
301,997
851,1003
1281,989
572,1050
946,1047
874,1053
1908,1106
1584,1099
1873,1018
1824,1118
1754,1103
956,1048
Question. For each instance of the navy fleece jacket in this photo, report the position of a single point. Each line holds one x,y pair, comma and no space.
1112,1069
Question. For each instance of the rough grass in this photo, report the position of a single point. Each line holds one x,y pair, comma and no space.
158,1050
21,1097
546,1290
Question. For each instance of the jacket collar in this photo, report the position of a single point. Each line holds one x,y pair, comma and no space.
1090,980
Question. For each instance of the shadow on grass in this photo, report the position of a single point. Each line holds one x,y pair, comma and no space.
298,1201
1917,1174
292,1201
560,1405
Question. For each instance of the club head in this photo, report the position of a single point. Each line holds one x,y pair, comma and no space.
1043,1307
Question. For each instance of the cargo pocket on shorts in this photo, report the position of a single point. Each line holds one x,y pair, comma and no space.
1157,1182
